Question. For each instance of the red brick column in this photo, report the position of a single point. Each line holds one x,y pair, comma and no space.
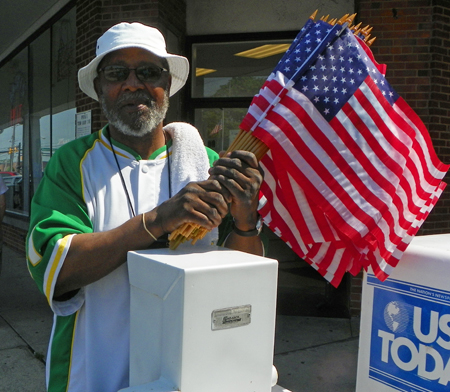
439,108
88,31
355,295
413,40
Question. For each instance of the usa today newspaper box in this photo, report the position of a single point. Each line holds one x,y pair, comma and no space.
405,322
202,319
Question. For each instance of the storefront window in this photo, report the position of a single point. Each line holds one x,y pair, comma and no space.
37,116
13,123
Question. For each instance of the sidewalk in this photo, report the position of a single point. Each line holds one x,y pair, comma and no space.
312,354
25,324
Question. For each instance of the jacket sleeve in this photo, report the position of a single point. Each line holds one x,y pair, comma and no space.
58,212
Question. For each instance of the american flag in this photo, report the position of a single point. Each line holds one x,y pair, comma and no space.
351,173
216,130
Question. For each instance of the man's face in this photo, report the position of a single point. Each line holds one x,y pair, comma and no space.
132,106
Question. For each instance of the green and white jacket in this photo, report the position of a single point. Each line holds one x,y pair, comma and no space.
82,192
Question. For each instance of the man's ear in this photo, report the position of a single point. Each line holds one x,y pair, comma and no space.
169,82
97,87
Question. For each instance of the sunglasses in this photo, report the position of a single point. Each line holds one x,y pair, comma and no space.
120,73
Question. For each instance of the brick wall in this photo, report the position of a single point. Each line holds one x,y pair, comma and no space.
439,108
88,31
413,40
14,237
95,17
355,295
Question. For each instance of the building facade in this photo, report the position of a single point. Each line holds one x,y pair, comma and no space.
42,108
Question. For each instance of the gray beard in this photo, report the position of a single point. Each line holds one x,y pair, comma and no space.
143,123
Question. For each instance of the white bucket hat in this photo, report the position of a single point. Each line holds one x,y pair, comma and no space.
133,35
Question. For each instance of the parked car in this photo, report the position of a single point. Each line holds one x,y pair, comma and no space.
11,178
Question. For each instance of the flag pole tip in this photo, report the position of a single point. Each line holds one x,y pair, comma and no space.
314,14
357,27
349,19
332,22
343,19
369,43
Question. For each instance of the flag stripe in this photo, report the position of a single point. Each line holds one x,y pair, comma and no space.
424,145
308,216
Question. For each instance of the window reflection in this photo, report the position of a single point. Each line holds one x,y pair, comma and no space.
218,127
11,165
63,131
13,114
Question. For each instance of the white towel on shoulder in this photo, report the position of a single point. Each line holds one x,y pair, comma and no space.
189,161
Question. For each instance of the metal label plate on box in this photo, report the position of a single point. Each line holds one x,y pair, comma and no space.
237,316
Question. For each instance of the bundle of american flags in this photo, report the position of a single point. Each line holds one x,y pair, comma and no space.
351,173
350,170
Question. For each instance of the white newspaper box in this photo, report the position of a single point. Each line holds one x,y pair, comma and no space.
202,320
405,322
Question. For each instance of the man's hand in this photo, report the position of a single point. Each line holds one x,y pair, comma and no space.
241,177
202,203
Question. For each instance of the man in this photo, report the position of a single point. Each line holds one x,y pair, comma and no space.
120,189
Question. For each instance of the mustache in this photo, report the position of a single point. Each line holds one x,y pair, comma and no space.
135,96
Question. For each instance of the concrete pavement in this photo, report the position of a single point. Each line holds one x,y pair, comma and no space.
25,324
312,354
